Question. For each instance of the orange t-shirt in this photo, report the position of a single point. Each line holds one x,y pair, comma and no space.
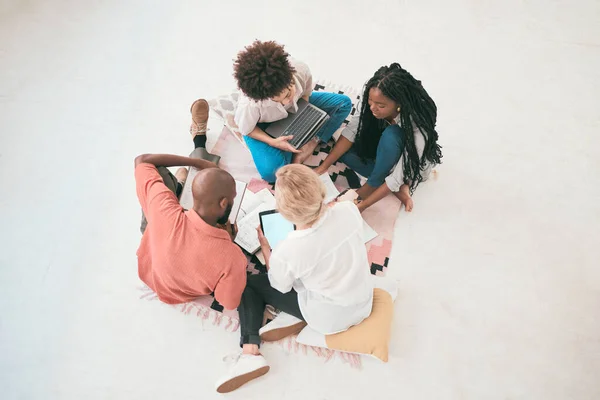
180,256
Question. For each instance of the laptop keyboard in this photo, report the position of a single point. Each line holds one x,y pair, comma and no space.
303,124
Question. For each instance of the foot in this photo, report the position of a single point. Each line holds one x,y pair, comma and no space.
243,369
305,151
181,175
199,112
404,196
282,326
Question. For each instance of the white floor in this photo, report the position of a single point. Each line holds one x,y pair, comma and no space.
500,287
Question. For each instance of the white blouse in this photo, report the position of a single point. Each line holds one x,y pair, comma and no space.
250,112
327,265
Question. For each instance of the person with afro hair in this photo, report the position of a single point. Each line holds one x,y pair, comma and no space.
272,83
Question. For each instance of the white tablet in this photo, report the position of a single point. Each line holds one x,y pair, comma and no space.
275,227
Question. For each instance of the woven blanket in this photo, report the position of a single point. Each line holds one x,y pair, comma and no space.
236,159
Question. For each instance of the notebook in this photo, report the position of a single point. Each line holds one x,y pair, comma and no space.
248,220
331,190
240,189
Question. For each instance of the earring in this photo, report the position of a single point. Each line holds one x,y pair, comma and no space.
398,109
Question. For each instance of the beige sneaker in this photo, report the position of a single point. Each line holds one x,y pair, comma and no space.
282,326
199,112
243,369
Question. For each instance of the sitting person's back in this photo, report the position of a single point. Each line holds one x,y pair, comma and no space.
182,254
329,262
318,275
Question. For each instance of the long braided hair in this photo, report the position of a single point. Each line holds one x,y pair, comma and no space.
416,108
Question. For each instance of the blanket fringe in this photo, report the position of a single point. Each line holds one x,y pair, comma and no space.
292,346
231,324
214,317
147,293
202,311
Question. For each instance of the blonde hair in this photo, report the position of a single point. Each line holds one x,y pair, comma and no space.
299,194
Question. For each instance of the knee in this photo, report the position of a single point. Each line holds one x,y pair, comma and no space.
267,173
392,135
267,159
346,104
268,168
394,130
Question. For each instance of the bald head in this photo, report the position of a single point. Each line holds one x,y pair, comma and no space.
213,190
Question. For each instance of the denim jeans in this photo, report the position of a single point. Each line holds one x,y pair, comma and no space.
257,294
389,151
269,159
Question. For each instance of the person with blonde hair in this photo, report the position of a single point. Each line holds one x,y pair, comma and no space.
319,275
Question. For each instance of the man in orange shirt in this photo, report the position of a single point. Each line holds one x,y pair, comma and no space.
183,254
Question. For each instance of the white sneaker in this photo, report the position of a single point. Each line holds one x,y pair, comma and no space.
244,368
282,326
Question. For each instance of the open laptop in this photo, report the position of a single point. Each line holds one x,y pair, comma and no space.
303,125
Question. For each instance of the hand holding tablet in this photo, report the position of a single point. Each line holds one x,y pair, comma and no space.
274,227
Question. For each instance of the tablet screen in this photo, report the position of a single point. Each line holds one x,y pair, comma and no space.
275,227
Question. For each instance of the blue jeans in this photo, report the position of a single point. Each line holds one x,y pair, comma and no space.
389,150
269,159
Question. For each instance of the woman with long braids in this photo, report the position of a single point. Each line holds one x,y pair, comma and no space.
393,142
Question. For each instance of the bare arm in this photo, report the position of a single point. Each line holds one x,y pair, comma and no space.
261,135
377,195
339,149
280,143
169,160
343,144
264,246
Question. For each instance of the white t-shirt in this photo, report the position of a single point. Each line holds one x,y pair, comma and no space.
396,177
327,265
250,112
